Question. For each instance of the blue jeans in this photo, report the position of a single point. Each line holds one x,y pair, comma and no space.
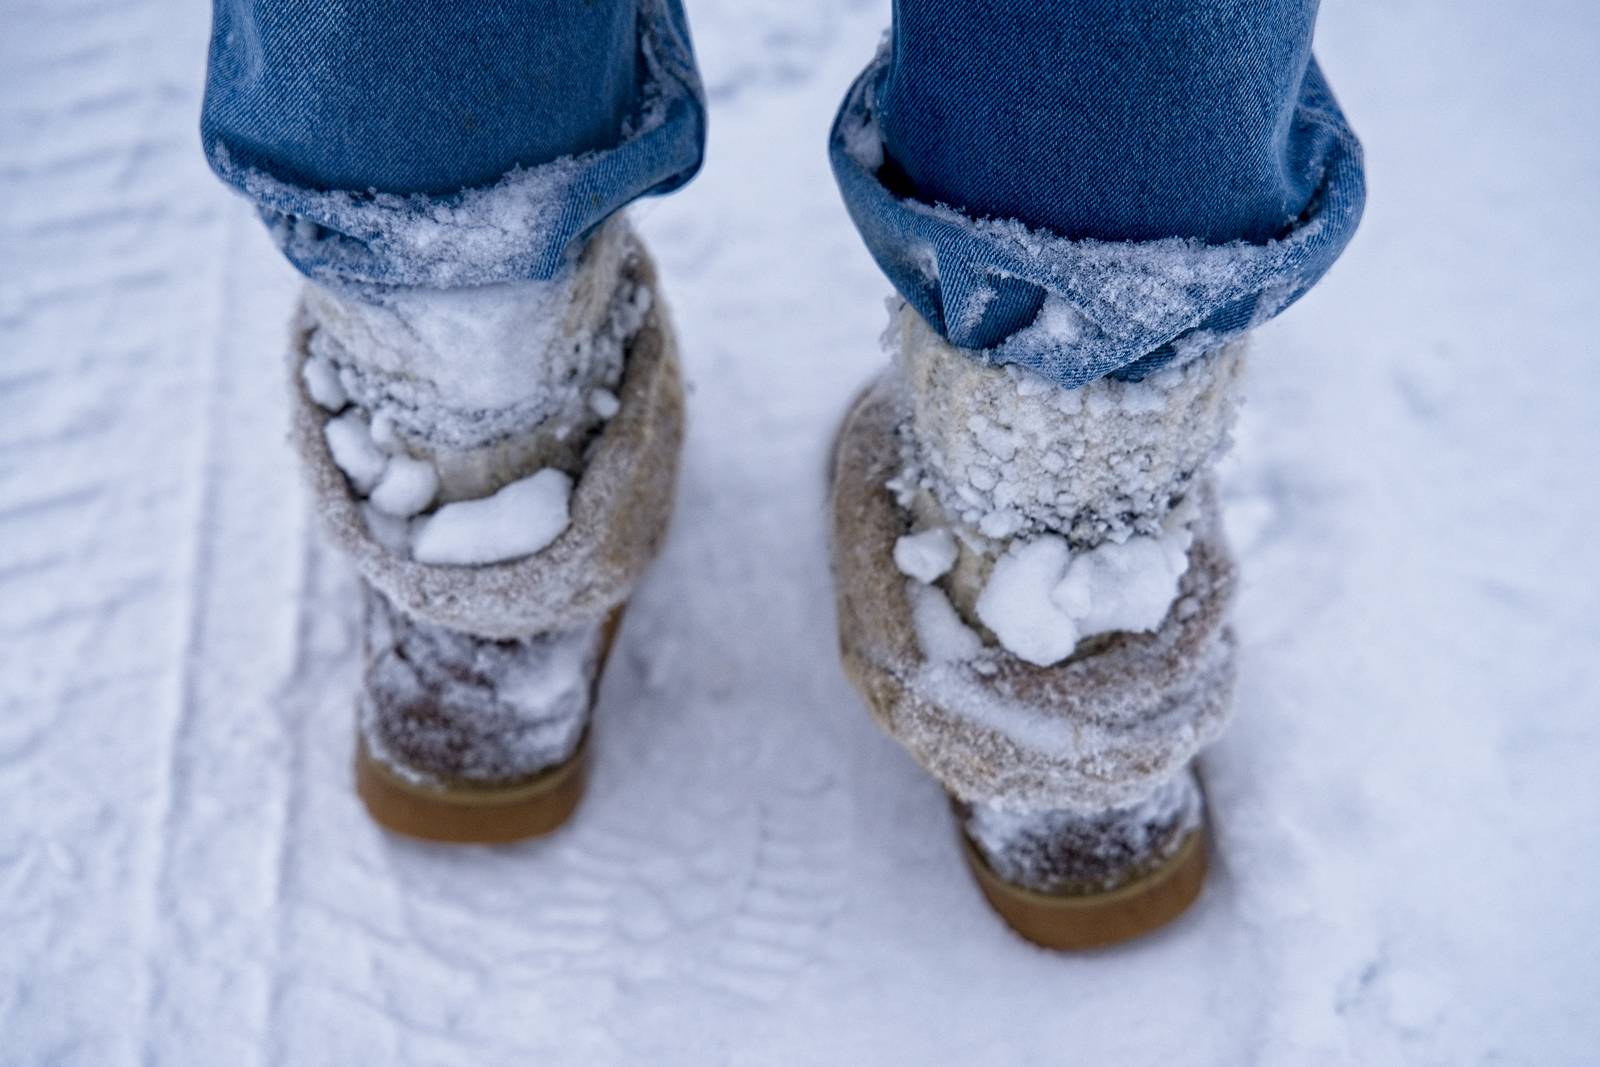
1085,188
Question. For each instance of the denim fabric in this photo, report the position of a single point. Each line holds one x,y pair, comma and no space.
448,144
1084,188
1097,187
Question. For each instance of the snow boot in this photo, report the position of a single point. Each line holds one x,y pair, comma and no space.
500,465
1032,590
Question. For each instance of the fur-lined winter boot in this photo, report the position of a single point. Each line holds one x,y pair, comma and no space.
1032,590
500,464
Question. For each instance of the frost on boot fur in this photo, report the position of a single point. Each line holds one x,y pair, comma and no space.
1033,588
441,706
500,465
1070,852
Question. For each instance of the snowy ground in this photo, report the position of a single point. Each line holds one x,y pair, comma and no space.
1408,808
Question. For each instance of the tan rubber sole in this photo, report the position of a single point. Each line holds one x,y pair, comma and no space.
465,815
1095,920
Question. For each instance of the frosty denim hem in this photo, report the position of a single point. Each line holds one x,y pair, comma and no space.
1078,310
526,226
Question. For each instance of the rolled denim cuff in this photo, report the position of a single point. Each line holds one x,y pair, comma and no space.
1078,310
526,226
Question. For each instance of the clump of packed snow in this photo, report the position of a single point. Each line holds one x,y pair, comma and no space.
517,521
385,435
926,556
1042,598
604,403
408,486
1057,324
353,449
322,382
1018,602
942,635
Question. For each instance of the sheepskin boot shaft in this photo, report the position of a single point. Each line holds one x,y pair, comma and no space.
500,465
1104,728
617,512
996,452
492,383
1033,589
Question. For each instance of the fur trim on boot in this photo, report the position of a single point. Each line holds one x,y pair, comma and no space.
1033,588
617,514
501,465
1104,729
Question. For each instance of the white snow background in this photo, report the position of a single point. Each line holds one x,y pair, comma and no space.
1407,807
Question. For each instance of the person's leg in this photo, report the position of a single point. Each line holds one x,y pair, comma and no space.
448,145
1147,176
1083,205
486,394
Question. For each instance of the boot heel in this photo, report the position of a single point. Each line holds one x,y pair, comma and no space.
1094,920
466,814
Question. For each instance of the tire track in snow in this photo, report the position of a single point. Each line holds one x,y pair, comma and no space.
85,635
170,779
227,780
317,666
707,853
229,839
106,202
668,875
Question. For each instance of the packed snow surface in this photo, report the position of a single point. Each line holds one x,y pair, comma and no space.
516,521
757,875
